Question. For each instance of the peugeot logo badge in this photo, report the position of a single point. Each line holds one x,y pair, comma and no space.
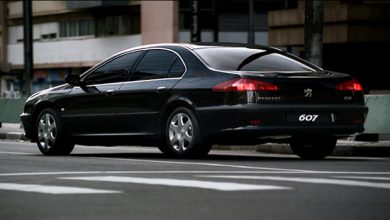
308,92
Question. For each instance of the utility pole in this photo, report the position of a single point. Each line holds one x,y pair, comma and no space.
215,21
251,29
28,48
314,16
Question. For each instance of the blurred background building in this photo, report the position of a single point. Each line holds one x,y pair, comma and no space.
72,36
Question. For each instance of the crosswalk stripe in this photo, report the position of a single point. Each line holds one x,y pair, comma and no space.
307,180
222,186
52,189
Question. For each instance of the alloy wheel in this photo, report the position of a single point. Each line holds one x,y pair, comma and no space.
180,132
47,131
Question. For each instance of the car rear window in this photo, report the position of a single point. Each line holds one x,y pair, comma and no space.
247,59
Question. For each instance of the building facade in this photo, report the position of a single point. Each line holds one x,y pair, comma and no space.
356,32
68,37
71,36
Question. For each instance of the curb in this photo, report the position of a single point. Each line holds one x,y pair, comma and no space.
345,148
340,150
16,136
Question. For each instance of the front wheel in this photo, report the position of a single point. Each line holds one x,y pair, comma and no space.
314,147
183,137
50,139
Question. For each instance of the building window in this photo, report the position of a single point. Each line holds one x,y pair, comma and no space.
118,25
48,36
230,15
205,14
76,28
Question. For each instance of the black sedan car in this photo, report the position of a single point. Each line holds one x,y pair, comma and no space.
183,98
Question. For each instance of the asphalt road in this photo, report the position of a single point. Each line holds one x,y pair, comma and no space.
140,183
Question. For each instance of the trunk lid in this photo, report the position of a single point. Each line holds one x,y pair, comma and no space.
306,88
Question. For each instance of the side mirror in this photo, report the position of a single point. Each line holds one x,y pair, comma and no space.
73,80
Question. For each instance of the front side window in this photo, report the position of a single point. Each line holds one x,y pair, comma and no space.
114,71
154,65
246,59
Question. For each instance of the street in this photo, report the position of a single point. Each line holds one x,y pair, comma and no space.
141,183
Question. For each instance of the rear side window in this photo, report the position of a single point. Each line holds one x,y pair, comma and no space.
115,70
154,65
177,68
246,59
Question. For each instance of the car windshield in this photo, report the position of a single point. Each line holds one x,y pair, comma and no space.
247,59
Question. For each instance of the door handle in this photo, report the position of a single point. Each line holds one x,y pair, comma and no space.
161,89
110,92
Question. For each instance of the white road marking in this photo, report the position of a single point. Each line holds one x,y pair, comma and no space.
188,172
364,177
144,172
201,164
52,189
16,153
309,180
222,186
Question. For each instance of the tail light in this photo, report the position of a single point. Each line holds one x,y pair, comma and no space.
351,85
241,85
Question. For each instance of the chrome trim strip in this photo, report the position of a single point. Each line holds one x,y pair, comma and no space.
89,115
113,134
148,80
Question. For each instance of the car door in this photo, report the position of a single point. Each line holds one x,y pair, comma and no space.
91,108
142,98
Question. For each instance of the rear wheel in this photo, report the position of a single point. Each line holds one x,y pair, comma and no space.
183,137
50,137
314,147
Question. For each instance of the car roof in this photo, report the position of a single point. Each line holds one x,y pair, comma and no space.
202,45
213,44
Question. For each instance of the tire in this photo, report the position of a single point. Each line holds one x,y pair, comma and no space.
313,148
50,136
182,136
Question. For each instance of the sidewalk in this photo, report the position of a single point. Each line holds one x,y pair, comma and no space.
10,131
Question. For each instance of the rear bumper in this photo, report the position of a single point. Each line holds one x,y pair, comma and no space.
275,120
296,130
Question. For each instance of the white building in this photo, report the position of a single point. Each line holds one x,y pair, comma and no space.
72,36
